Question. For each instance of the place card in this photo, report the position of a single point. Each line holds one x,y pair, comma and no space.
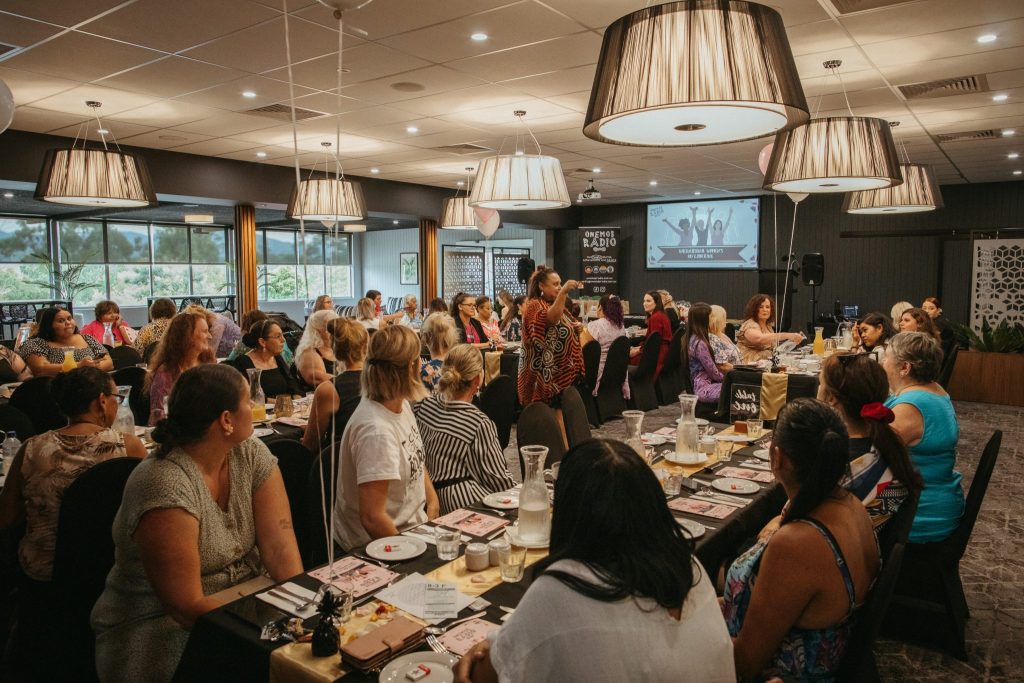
459,639
750,475
701,507
356,575
440,601
474,523
409,595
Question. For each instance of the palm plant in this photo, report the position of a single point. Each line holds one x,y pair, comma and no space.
67,281
1003,338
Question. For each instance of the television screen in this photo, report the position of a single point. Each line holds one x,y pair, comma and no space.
720,234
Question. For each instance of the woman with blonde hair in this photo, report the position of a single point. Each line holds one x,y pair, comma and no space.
896,312
438,335
185,345
314,358
670,309
335,401
725,353
366,315
461,444
383,486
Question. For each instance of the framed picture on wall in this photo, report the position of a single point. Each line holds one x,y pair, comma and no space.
409,268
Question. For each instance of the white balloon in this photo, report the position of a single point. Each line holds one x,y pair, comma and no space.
6,107
487,220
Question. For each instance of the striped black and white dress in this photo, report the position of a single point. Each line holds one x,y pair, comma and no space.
463,455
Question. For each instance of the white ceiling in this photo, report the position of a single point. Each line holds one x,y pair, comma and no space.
171,76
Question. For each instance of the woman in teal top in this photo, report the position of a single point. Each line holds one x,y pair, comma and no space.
927,423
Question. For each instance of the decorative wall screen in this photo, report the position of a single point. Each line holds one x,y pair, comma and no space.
462,271
505,269
997,282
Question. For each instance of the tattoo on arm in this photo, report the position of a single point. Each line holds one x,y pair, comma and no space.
285,524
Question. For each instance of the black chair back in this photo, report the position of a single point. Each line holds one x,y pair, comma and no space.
318,497
33,398
538,426
295,462
641,377
498,402
138,400
147,354
858,665
13,420
610,402
591,363
897,529
979,485
670,383
574,417
82,558
125,356
947,366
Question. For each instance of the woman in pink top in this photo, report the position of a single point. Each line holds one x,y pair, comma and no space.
109,312
606,329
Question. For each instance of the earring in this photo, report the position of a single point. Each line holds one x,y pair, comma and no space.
228,431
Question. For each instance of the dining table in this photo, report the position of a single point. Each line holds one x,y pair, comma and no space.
225,643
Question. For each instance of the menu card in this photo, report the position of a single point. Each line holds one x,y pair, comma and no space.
411,595
751,475
459,639
355,574
473,523
703,508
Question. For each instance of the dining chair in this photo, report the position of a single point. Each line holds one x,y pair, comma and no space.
320,503
147,354
125,356
641,377
669,384
538,426
610,401
498,402
82,558
929,591
138,400
295,461
33,398
13,420
591,364
574,417
947,366
897,529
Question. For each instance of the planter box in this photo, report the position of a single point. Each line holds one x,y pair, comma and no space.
988,378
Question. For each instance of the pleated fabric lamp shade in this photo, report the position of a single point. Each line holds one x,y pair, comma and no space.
457,214
692,73
834,154
519,182
327,199
919,192
95,177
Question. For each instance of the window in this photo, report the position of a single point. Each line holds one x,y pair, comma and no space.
24,250
290,266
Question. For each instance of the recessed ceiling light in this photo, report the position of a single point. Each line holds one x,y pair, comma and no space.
103,131
1012,155
1000,97
261,155
375,171
595,170
653,183
249,93
987,38
412,129
478,37
8,195
697,193
1008,132
394,222
1016,173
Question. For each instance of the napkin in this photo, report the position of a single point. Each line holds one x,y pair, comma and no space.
286,605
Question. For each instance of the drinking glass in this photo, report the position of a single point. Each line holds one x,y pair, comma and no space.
512,561
755,428
673,484
448,541
283,406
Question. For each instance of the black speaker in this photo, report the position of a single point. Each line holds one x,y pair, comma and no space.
812,268
526,267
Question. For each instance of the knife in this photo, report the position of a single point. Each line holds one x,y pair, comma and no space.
726,497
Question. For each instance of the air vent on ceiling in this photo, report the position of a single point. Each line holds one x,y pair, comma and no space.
988,134
582,171
851,6
284,112
945,87
464,148
5,48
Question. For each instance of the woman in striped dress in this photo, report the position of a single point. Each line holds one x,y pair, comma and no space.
463,455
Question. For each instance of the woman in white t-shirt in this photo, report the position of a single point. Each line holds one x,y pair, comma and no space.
620,597
383,486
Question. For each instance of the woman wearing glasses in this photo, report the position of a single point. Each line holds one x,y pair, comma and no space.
266,339
466,324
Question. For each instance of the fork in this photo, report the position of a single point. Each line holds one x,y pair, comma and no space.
436,645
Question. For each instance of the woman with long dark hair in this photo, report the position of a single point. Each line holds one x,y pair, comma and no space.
875,331
757,337
658,322
790,601
604,330
56,335
620,596
469,329
880,471
698,358
266,341
512,320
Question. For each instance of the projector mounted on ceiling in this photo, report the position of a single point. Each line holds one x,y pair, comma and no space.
590,193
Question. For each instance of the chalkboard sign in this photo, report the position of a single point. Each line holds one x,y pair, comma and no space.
744,401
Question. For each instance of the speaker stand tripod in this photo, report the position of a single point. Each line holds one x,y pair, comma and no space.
814,305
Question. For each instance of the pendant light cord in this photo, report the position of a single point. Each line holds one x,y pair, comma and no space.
789,266
775,246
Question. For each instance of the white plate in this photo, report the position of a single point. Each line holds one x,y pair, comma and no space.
502,500
653,439
513,534
733,485
735,438
700,421
261,432
693,529
676,459
402,548
440,666
762,454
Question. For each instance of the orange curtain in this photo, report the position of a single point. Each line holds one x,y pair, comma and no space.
428,261
245,267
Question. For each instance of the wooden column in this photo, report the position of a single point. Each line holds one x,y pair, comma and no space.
245,265
428,261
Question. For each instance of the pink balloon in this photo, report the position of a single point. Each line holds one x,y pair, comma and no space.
764,156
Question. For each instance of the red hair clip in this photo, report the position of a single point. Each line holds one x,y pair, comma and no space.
877,412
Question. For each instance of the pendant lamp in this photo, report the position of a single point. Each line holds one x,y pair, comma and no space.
834,154
95,177
919,191
456,213
520,181
700,72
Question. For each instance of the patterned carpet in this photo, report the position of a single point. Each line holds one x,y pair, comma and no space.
992,570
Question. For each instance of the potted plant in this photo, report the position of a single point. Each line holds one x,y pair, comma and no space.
67,281
992,369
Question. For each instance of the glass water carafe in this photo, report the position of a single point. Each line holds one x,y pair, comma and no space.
846,334
108,334
125,420
686,433
256,395
634,420
534,507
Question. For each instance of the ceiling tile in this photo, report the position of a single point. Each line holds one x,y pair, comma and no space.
118,131
412,85
555,82
461,100
166,113
42,120
948,44
363,63
80,57
27,87
561,53
171,77
217,147
228,96
382,19
578,101
261,48
819,36
164,139
60,13
912,19
73,101
22,32
954,67
226,125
